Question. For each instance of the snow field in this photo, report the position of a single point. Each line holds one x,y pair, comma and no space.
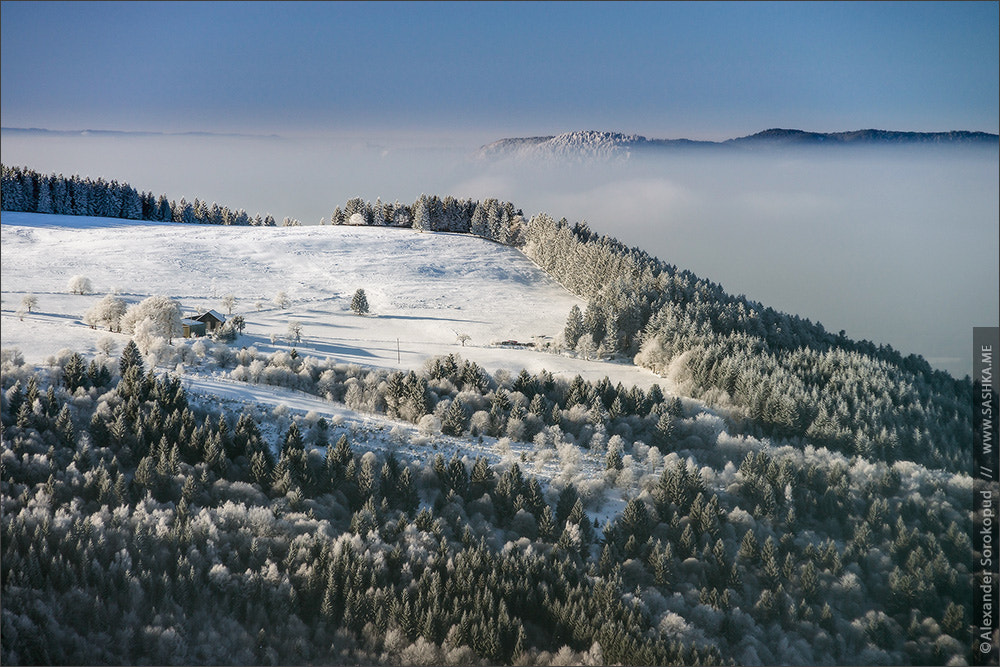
424,289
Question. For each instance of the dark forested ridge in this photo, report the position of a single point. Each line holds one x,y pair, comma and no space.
786,375
23,189
138,528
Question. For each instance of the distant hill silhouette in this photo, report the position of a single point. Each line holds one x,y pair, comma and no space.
591,144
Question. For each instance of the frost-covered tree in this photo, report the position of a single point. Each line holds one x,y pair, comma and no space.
282,301
586,348
359,303
454,419
228,302
237,323
44,196
574,327
295,331
106,345
401,216
421,214
108,310
162,314
79,285
29,301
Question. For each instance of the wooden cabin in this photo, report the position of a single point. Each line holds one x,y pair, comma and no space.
211,319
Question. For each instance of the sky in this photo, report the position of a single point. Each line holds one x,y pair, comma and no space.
700,70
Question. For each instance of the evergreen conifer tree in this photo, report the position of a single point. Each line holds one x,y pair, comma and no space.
359,303
574,327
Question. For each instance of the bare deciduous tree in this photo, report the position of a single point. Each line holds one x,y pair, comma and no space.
29,301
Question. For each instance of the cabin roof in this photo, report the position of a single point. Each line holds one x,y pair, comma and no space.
210,314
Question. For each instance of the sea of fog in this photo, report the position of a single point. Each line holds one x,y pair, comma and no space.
895,245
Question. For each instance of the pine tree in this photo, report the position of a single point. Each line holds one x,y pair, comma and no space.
749,548
953,621
359,304
613,460
594,322
44,196
74,372
293,439
421,214
454,420
64,426
574,327
367,479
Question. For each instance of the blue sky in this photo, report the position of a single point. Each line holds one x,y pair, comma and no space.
703,70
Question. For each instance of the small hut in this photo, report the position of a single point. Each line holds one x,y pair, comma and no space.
192,327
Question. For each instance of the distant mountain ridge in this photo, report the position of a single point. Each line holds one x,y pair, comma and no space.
41,131
592,144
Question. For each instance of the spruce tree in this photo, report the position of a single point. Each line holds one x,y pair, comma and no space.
454,419
574,327
359,304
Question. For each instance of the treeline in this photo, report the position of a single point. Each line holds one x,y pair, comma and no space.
138,529
23,189
787,376
490,219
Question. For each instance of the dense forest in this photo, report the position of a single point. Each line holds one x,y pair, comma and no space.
138,528
785,375
23,189
818,513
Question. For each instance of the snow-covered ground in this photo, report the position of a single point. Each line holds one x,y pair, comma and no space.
423,288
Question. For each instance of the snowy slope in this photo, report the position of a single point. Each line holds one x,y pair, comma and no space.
423,289
584,145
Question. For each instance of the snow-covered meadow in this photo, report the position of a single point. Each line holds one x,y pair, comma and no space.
424,289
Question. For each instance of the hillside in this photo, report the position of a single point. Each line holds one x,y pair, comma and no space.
336,505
